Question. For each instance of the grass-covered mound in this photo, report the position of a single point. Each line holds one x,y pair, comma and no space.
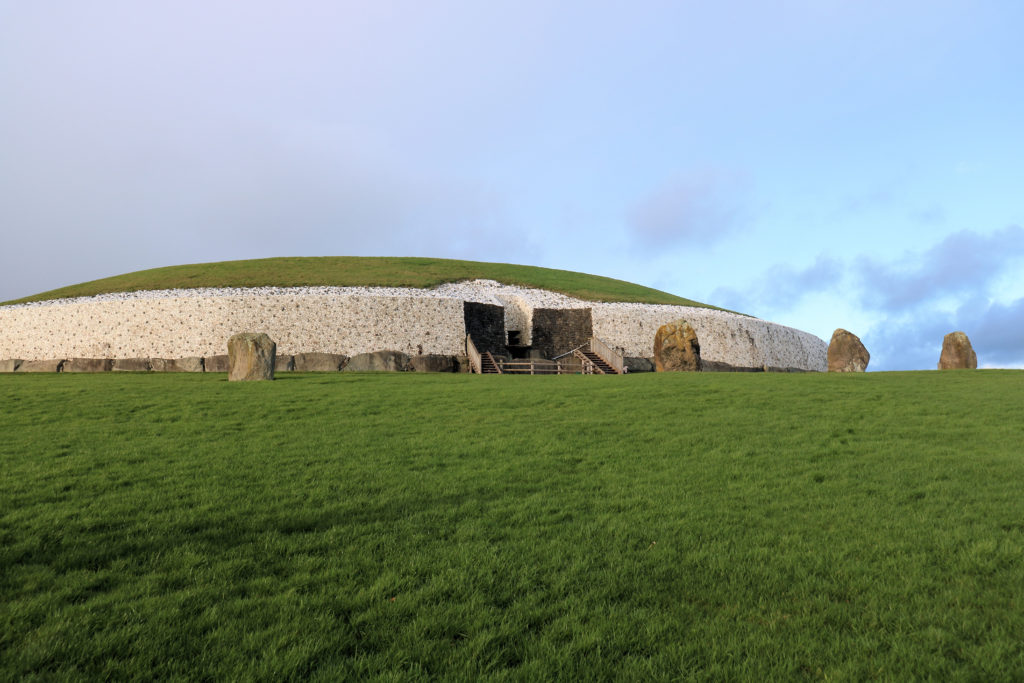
414,527
358,271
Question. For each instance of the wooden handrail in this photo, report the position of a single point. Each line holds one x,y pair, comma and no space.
475,364
610,355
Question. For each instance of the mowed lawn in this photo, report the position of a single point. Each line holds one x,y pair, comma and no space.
404,526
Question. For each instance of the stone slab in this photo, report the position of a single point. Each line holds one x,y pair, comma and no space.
192,364
41,365
319,362
130,365
87,365
10,365
215,363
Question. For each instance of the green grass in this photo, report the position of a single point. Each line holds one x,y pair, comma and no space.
412,527
354,271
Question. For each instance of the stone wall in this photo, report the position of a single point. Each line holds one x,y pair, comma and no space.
560,330
200,326
727,340
486,324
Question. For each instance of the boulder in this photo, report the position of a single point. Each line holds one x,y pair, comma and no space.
40,365
957,353
846,353
191,364
433,362
215,363
88,365
10,365
318,362
251,357
637,364
676,348
378,361
462,364
284,364
130,365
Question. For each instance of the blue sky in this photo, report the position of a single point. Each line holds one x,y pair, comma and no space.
819,163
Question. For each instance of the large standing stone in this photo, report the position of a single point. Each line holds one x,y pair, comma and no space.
10,365
676,348
957,353
251,356
88,365
846,353
378,361
318,362
130,365
432,362
190,364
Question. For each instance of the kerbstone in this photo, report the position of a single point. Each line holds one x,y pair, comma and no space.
10,365
130,365
318,362
41,365
191,364
87,365
378,361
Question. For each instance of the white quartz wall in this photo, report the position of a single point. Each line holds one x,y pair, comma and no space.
724,337
178,327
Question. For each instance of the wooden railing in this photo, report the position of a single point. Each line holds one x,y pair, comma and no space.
538,366
610,355
475,364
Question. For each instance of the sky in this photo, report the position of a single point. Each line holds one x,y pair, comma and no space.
817,163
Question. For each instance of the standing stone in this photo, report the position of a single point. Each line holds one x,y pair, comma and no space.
957,353
846,353
676,348
251,356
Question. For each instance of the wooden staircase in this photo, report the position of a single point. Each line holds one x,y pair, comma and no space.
489,366
598,364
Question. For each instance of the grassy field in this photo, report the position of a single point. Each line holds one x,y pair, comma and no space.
404,527
353,271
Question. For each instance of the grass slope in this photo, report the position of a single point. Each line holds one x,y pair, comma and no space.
354,271
404,527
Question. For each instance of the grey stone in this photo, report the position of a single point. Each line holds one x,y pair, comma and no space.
251,357
846,353
87,365
10,365
676,348
284,364
191,364
432,362
215,363
378,361
318,362
957,353
130,365
40,365
462,364
635,364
